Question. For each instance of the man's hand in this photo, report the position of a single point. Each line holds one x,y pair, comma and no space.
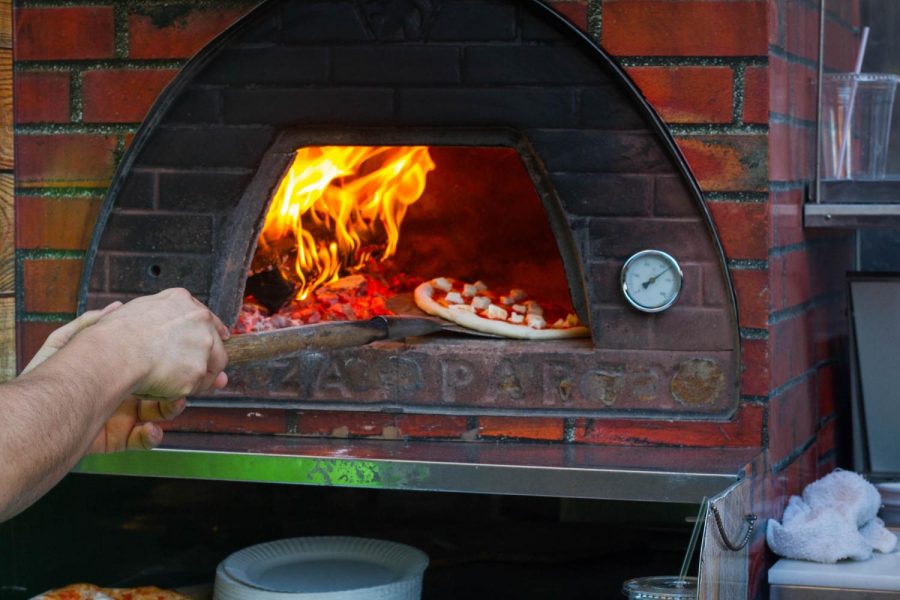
173,341
134,424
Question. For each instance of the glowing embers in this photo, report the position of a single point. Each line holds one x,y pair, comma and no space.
336,208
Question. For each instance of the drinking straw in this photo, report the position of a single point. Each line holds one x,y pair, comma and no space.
845,138
698,525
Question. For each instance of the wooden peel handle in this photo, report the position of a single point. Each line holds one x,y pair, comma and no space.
249,347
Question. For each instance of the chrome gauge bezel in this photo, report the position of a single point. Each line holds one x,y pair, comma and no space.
676,269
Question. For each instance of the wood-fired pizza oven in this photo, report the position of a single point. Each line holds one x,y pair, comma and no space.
550,168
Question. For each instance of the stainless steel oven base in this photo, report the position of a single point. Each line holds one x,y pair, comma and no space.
566,471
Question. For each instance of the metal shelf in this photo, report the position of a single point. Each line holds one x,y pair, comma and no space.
566,471
855,205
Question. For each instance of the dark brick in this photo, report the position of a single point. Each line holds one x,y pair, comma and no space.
686,328
158,233
266,30
197,105
337,107
687,94
64,33
98,281
209,146
58,223
42,97
139,191
315,22
536,25
686,240
601,151
272,65
715,290
396,64
620,327
200,191
673,198
728,162
686,28
148,274
471,21
609,107
51,286
30,336
530,64
122,95
153,33
69,159
605,195
533,106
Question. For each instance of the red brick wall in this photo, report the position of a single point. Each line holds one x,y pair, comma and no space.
734,80
85,77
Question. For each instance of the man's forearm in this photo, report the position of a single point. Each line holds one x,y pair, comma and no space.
52,414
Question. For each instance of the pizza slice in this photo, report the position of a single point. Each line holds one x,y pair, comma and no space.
87,591
513,314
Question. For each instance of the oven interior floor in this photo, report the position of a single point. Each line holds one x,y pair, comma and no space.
172,533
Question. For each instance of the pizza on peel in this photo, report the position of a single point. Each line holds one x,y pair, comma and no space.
513,315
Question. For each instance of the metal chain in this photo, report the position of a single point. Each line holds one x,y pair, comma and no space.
745,539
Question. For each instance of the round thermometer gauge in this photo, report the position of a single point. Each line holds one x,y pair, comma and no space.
651,280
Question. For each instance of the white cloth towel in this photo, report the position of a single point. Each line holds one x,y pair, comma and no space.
833,520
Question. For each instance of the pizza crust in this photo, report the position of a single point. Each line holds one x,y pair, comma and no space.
424,299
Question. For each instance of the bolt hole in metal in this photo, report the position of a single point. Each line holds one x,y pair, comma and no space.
154,270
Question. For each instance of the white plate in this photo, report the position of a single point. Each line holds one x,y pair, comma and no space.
323,567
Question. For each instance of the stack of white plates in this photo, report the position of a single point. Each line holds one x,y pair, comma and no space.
890,500
322,568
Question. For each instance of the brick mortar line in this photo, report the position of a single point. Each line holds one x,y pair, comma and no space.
570,429
737,94
791,58
48,254
794,454
595,19
692,61
738,197
747,264
789,186
35,317
797,310
97,64
683,130
793,382
827,419
120,20
783,119
76,128
51,192
832,453
754,400
749,333
76,97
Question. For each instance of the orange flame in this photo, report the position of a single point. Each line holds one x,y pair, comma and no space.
343,204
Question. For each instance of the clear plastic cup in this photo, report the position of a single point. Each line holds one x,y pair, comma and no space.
860,150
669,587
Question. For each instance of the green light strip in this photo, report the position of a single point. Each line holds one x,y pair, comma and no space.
258,468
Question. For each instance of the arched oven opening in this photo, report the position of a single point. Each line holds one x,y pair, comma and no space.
551,171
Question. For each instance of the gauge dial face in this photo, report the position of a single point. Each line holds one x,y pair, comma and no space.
651,280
